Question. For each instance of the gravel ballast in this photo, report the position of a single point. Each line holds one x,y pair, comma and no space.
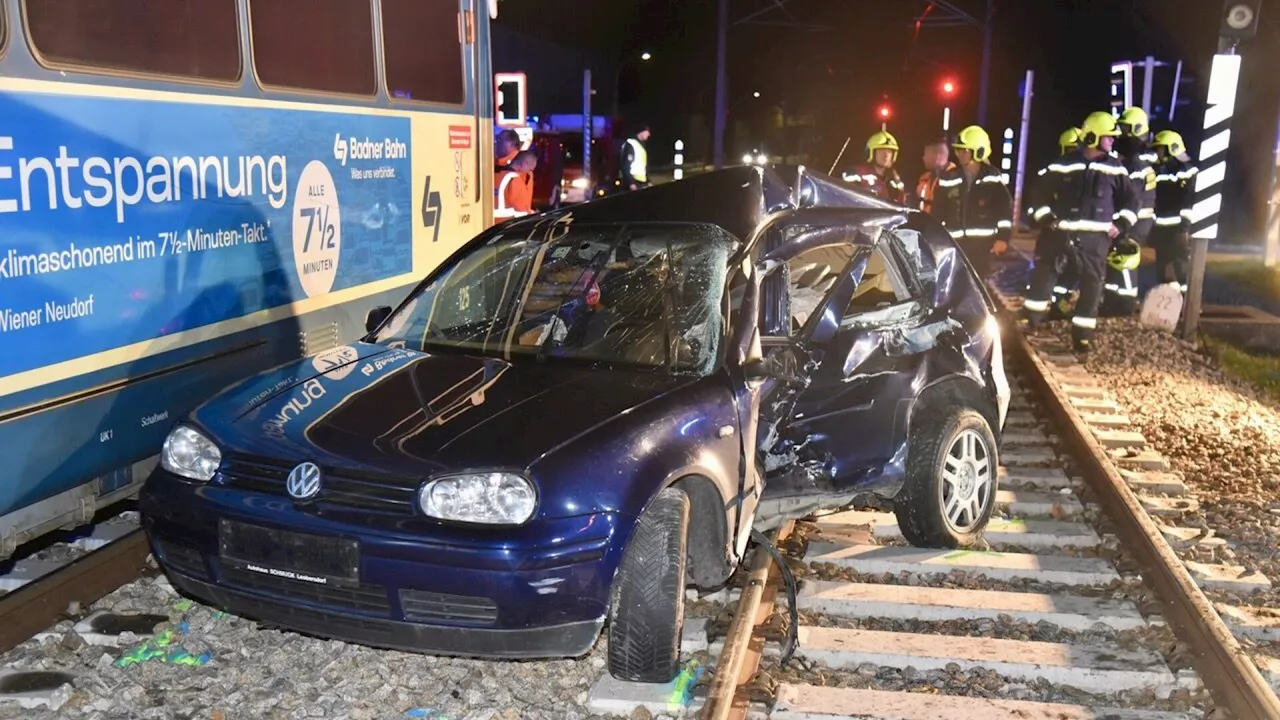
1221,434
253,672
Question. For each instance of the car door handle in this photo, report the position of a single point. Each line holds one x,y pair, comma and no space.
725,431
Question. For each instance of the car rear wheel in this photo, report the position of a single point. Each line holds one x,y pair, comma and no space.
648,604
951,481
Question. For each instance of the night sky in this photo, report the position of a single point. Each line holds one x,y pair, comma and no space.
837,60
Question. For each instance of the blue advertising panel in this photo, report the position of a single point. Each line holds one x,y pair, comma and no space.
128,220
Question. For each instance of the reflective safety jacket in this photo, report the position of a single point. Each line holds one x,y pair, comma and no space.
635,162
1086,195
1140,162
974,208
927,185
1175,192
512,193
886,187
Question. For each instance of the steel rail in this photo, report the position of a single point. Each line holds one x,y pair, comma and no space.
742,651
1222,663
40,604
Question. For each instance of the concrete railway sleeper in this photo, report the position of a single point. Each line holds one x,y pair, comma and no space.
1048,622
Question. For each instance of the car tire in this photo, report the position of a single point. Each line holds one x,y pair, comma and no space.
951,481
647,616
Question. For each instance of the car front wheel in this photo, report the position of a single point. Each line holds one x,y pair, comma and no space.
951,481
648,605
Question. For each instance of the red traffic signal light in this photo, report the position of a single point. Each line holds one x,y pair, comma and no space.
948,87
884,112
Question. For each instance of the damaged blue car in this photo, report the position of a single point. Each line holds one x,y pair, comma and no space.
583,412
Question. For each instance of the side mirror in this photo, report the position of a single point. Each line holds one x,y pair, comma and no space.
375,317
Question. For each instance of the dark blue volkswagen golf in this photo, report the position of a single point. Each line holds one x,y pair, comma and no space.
580,413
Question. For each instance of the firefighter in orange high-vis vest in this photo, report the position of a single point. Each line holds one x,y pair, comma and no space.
877,175
513,187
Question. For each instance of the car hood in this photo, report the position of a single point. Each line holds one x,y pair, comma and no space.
376,409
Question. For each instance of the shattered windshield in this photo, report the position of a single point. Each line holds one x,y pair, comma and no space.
629,294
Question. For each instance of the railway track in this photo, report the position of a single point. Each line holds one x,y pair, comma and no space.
1080,608
1084,605
60,580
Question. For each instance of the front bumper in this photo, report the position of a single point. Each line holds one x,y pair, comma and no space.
568,640
533,592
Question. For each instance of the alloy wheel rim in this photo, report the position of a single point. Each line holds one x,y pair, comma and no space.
966,481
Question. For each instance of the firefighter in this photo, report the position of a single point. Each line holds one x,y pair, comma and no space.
1069,274
973,202
1087,200
1069,140
937,160
1175,196
877,175
1120,289
635,160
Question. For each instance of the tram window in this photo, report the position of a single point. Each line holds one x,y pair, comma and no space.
422,50
185,38
322,45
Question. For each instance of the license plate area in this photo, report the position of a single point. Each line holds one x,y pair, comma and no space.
314,559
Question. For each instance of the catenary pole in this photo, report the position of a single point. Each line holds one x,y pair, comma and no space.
722,32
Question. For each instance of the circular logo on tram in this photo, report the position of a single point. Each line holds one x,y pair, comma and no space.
317,229
304,481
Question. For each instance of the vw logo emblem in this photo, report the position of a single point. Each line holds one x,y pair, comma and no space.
304,481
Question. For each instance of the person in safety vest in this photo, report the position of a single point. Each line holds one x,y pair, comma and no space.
513,187
937,160
635,160
1069,140
1089,200
506,147
1120,289
877,175
973,201
1069,273
1175,197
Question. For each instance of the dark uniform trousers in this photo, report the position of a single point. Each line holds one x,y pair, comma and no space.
1172,244
978,250
1080,255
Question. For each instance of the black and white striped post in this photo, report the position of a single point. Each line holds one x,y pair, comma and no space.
1212,159
1239,21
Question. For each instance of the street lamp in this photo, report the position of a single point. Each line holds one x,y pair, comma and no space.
645,55
755,94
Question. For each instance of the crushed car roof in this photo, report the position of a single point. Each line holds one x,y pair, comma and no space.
737,199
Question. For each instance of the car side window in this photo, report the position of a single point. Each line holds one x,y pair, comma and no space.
809,278
883,295
909,245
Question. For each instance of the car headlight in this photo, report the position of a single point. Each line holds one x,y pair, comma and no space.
579,183
762,158
494,498
190,454
747,158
